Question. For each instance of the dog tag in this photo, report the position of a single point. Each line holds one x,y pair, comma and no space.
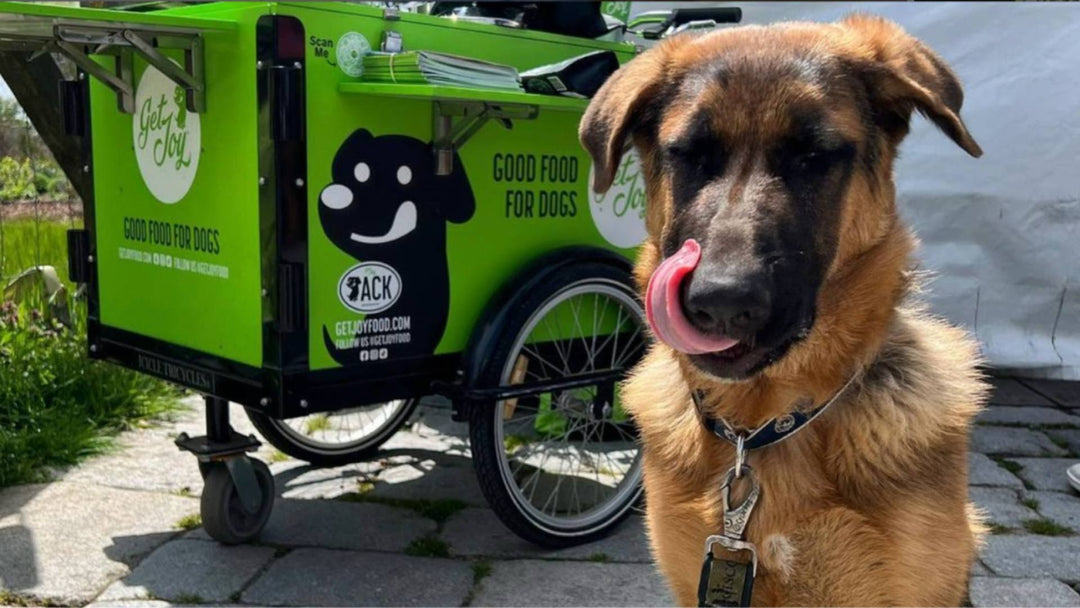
725,582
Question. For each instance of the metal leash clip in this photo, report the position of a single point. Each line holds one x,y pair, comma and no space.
726,582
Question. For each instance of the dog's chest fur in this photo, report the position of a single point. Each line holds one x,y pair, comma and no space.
867,505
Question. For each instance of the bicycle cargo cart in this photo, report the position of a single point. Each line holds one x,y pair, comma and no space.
266,227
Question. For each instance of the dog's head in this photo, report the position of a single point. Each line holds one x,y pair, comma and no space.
768,157
386,196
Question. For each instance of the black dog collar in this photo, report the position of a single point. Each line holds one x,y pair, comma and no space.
773,431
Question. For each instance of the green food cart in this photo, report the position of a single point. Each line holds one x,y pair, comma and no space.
268,228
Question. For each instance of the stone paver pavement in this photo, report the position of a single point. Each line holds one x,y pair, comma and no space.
108,532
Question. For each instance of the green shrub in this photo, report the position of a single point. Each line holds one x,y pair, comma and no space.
56,405
16,180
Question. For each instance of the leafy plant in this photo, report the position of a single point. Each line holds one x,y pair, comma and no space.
56,405
16,180
428,546
1046,527
189,522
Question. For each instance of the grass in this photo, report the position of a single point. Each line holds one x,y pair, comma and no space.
999,529
318,422
56,405
9,598
277,456
480,570
25,243
439,510
188,522
1055,426
1046,527
1010,466
601,558
1014,468
1060,441
189,598
513,442
428,546
1031,503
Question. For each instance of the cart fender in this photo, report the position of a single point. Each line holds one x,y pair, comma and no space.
493,322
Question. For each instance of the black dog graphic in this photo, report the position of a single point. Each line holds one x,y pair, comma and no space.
387,205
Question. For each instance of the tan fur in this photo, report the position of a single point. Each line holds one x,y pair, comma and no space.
868,505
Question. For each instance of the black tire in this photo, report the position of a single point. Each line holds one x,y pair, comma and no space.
485,427
324,455
224,518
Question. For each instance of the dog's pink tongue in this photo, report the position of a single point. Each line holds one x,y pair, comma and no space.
663,306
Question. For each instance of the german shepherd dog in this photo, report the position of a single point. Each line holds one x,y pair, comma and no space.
781,281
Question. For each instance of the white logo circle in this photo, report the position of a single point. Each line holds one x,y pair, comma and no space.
619,213
350,51
369,287
167,137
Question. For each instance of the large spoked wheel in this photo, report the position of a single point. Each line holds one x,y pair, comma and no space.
335,438
562,467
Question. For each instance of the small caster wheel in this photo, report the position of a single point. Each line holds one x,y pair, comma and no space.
205,468
224,517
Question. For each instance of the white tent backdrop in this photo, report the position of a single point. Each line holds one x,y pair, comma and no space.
1002,233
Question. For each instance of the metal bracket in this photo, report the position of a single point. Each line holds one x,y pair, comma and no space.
391,42
473,115
247,486
119,80
78,41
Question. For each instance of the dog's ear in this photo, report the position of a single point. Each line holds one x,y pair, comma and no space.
621,102
455,195
904,75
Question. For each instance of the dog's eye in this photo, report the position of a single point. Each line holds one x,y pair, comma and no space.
404,175
336,196
819,159
362,172
808,160
704,161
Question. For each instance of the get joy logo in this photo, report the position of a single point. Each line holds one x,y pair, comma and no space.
167,137
619,213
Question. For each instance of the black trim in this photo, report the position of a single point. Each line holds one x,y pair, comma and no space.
78,244
338,388
80,95
287,395
283,192
72,107
196,370
528,389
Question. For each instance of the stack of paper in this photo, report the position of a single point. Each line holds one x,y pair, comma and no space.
427,67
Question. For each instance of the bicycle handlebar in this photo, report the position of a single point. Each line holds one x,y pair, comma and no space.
719,14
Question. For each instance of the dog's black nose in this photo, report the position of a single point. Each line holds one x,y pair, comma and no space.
732,304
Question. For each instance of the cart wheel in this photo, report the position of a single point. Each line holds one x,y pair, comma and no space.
562,468
224,517
335,438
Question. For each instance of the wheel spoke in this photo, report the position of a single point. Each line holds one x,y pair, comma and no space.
568,465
